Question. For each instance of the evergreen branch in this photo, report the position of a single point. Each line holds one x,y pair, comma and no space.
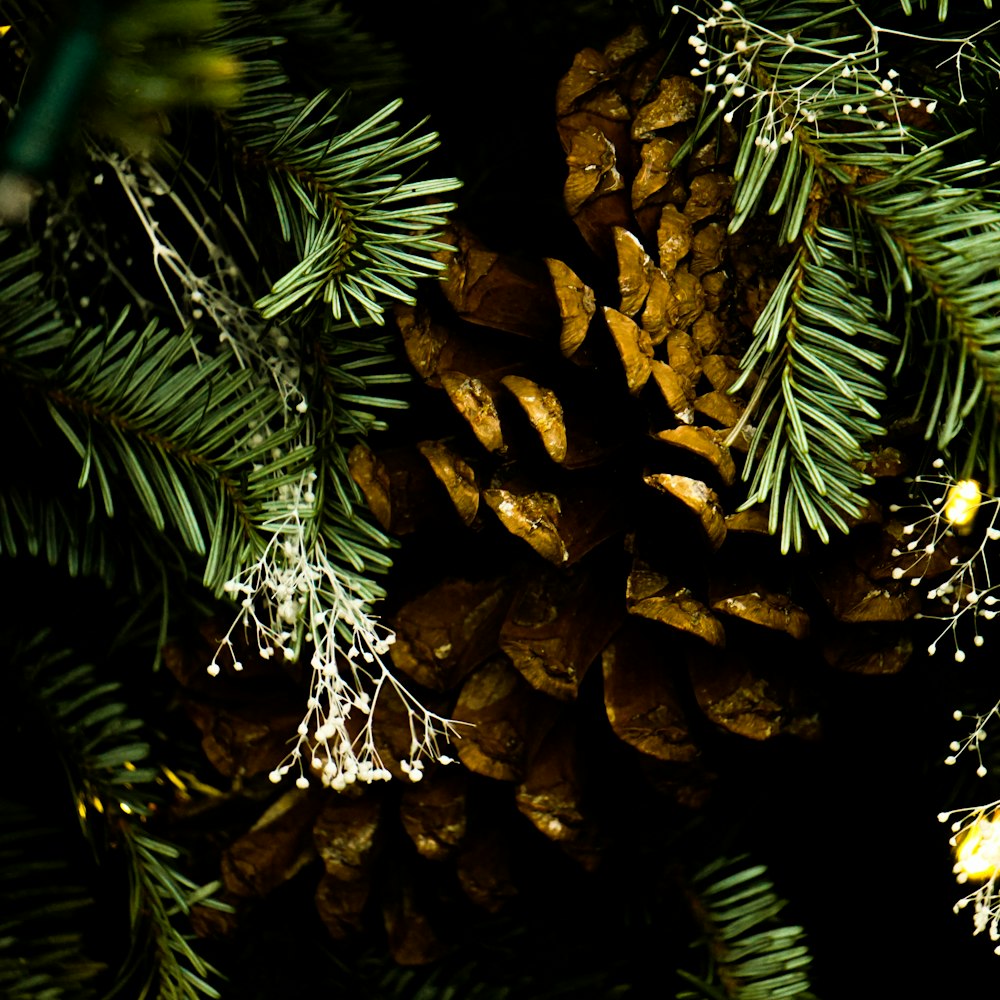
827,147
944,239
361,229
42,948
103,751
754,957
818,389
190,437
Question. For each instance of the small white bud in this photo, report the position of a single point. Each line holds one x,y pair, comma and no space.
302,782
959,656
981,771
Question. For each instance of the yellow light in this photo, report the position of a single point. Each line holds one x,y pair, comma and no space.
4,28
961,504
125,808
977,853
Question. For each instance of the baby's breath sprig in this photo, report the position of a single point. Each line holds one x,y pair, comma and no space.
975,838
796,86
948,509
296,599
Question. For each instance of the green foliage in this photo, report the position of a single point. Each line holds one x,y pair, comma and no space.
892,234
752,955
173,411
823,387
42,910
108,784
361,228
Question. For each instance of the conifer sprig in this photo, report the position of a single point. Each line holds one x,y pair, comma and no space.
891,230
114,793
361,225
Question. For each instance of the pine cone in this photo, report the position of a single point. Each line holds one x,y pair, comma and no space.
568,487
575,499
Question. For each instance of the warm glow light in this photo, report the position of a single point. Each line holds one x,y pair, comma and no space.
961,504
977,854
125,808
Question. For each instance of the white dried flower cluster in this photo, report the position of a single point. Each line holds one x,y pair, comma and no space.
743,63
295,600
968,594
975,838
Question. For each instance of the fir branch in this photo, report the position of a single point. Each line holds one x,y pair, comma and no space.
822,385
186,435
943,236
42,948
362,229
753,957
827,146
114,794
